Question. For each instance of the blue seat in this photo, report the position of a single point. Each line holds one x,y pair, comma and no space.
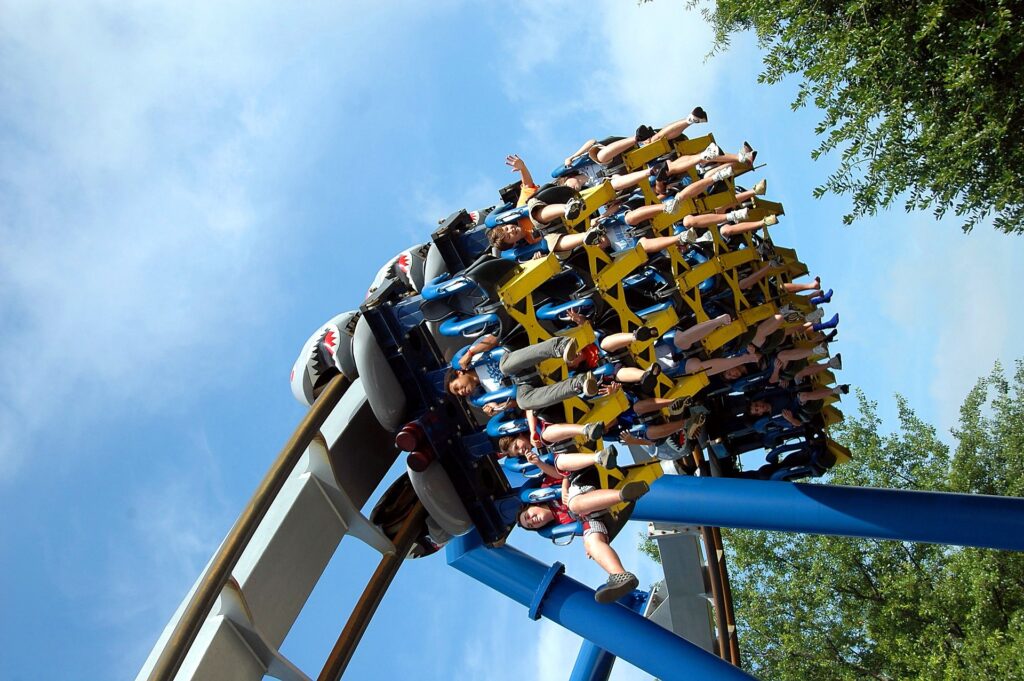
654,309
493,355
520,466
444,286
526,252
557,311
530,494
506,423
560,532
577,163
471,327
506,393
505,215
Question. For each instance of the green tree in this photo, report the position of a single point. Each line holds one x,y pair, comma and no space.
921,99
815,607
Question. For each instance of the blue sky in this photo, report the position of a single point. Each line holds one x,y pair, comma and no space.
187,190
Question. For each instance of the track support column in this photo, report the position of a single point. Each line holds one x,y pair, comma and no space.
563,600
594,663
934,517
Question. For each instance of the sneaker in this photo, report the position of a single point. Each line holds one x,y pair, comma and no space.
659,171
747,154
765,249
607,458
771,220
570,350
593,236
632,491
616,587
814,316
793,316
649,381
761,187
593,431
819,349
588,385
831,335
670,205
645,333
722,174
643,133
843,389
735,216
573,208
712,151
688,238
698,115
836,362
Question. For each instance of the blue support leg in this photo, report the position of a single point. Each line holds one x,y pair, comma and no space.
595,663
592,664
615,628
934,517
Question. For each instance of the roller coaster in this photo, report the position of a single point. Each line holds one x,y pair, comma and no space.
685,340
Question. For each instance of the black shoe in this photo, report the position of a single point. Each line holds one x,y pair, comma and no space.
593,236
659,171
643,133
645,333
573,208
699,114
649,381
616,587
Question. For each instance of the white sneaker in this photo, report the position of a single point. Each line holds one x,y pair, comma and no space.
698,115
712,151
819,350
670,205
739,215
836,362
761,187
722,174
688,238
747,153
815,316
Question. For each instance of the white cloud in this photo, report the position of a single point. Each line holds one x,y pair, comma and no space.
631,65
144,557
143,149
950,295
556,651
